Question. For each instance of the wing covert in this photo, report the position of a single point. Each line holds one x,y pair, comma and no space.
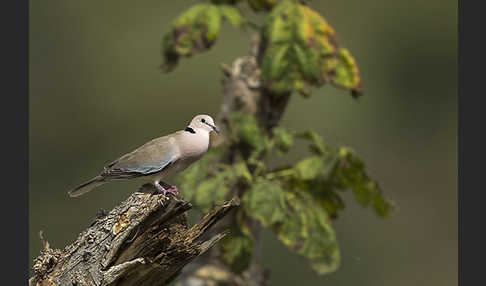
148,159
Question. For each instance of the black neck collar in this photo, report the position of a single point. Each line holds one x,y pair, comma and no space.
190,130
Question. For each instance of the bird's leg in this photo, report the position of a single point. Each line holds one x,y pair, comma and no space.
174,189
170,188
160,188
164,191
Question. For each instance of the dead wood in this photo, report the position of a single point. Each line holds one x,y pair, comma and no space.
143,241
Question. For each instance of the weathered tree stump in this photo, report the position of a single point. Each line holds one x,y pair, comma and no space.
144,241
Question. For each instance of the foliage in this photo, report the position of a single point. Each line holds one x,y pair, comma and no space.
298,202
196,30
265,201
207,183
350,173
300,47
308,231
283,140
300,223
301,50
345,72
246,132
237,248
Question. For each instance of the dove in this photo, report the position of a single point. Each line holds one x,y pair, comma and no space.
157,159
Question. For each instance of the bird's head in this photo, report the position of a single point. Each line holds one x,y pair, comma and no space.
203,122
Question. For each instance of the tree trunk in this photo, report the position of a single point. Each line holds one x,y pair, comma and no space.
143,241
242,91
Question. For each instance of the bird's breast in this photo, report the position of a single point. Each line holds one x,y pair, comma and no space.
193,146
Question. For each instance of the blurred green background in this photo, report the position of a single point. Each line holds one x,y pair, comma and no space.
96,93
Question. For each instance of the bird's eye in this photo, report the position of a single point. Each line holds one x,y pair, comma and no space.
203,120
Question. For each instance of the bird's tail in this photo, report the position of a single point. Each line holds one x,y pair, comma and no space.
87,186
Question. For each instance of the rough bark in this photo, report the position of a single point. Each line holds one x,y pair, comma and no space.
143,241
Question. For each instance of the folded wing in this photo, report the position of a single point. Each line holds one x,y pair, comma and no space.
150,158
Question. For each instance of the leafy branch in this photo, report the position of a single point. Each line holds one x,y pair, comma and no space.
298,51
297,202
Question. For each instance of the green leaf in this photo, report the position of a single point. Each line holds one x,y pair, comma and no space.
350,172
241,170
298,41
237,247
236,251
189,180
301,50
265,202
195,31
325,193
206,182
308,231
214,190
212,20
330,170
317,143
247,132
232,15
331,202
283,139
278,64
346,73
382,207
309,168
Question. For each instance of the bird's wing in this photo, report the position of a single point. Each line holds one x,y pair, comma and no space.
150,158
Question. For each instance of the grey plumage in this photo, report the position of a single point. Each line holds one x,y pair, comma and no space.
87,186
152,157
158,158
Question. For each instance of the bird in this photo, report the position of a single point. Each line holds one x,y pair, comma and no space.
157,159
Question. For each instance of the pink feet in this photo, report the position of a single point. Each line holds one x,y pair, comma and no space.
172,190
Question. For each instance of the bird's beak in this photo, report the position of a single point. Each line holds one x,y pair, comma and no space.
212,126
